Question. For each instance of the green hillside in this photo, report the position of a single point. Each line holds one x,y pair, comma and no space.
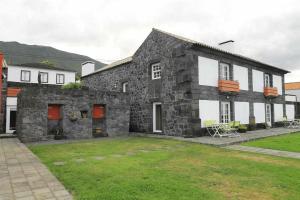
17,53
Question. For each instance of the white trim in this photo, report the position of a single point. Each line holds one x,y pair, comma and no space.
8,109
267,80
154,117
224,71
156,71
225,111
269,122
124,86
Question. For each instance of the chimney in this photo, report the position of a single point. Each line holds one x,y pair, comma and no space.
227,46
87,67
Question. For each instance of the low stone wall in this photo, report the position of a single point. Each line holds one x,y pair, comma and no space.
32,112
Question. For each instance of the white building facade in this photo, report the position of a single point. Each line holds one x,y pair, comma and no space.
19,76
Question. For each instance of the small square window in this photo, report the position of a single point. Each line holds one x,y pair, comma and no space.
25,76
156,71
60,79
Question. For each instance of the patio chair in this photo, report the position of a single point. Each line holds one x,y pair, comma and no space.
209,125
234,127
230,129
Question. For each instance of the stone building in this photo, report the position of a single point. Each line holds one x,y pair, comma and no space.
76,113
174,84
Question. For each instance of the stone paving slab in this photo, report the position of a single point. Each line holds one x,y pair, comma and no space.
23,176
272,152
225,141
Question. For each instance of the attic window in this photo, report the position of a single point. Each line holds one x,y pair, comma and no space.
156,71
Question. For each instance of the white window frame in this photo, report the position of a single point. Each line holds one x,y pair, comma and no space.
156,71
124,87
267,80
269,114
59,80
224,71
225,112
25,75
154,117
43,74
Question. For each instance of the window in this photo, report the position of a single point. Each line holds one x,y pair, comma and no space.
44,77
225,112
25,76
224,71
267,80
156,71
60,78
125,87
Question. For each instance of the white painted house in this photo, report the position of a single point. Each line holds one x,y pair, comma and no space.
19,76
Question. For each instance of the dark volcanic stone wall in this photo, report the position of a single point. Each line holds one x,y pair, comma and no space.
32,115
172,90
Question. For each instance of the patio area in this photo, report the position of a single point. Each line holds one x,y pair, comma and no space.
225,141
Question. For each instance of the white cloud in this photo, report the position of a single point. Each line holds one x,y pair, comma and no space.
266,30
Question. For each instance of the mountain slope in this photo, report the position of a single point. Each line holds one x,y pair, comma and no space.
17,53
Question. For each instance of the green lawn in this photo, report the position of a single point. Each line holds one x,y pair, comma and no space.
159,169
290,142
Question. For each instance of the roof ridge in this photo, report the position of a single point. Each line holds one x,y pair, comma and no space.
217,49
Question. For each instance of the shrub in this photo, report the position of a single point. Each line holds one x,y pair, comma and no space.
70,86
242,128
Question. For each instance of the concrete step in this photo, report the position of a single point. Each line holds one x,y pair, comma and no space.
7,135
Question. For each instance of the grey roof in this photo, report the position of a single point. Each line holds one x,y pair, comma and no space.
42,66
195,43
112,65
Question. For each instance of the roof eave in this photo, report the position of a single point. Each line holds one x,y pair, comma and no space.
238,56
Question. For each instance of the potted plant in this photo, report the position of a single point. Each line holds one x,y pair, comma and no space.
58,133
242,128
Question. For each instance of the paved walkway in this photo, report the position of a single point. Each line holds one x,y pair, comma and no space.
225,141
24,177
272,152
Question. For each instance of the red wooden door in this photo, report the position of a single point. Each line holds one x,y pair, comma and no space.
98,112
54,112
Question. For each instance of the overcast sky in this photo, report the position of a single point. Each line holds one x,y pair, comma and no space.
107,30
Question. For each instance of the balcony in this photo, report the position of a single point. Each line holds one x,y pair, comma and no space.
229,86
270,92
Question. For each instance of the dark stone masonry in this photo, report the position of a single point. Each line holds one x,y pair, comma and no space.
33,123
178,89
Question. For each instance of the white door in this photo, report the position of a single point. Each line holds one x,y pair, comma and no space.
224,71
157,117
225,112
11,117
268,115
267,80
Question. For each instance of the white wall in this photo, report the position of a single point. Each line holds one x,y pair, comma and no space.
278,112
258,81
208,71
241,75
11,101
87,68
14,74
290,111
294,92
290,98
241,110
209,110
259,112
277,82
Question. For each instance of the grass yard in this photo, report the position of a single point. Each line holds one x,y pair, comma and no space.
151,169
290,142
